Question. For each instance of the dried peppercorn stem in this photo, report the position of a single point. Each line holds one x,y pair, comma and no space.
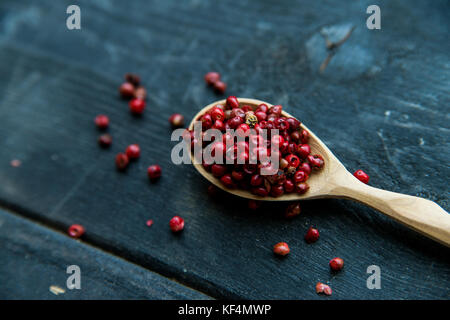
420,214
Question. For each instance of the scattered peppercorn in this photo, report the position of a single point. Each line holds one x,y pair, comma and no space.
176,120
220,87
102,121
362,176
154,172
140,93
336,264
75,231
149,223
323,288
176,224
126,90
212,190
293,210
122,161
132,78
281,249
211,78
312,235
133,151
15,163
105,140
254,204
137,106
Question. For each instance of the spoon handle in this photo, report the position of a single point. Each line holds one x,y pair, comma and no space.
420,214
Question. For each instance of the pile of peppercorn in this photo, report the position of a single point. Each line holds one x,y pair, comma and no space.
296,163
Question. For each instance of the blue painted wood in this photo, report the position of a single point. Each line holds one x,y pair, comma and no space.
34,258
382,105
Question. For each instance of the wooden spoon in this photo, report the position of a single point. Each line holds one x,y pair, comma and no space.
334,181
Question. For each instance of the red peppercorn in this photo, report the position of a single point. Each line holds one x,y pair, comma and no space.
126,90
132,78
212,190
362,176
316,161
281,249
237,175
277,190
149,223
301,187
277,109
323,288
176,120
220,87
300,176
102,121
336,264
256,180
176,224
219,125
293,160
254,204
75,231
312,235
304,136
211,78
206,121
217,114
154,172
261,116
305,167
304,150
227,181
137,106
122,161
293,210
140,93
289,186
105,140
260,191
133,151
218,170
232,102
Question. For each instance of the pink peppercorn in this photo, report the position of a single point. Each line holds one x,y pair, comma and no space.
126,90
323,288
102,121
293,210
336,264
76,231
312,235
211,78
137,106
122,161
154,172
176,224
133,151
176,120
105,140
232,102
254,204
220,87
281,249
362,176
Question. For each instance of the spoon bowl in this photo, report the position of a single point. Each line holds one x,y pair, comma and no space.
334,181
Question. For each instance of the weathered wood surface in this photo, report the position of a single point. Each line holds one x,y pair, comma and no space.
35,258
381,105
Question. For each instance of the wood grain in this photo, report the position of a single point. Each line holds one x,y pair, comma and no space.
381,105
35,259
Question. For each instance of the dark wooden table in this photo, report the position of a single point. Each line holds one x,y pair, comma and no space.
381,105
